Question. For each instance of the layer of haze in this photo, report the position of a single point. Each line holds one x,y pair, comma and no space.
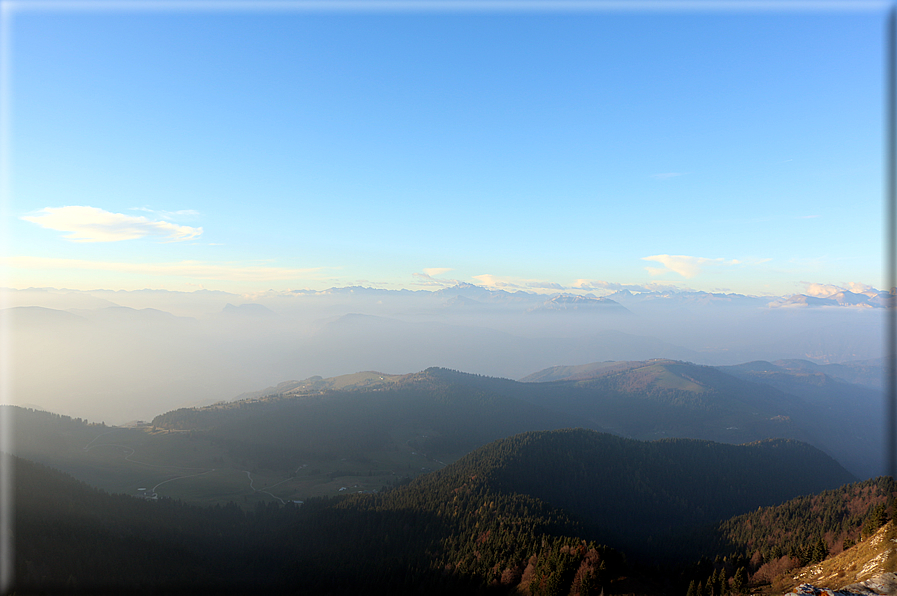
120,356
540,155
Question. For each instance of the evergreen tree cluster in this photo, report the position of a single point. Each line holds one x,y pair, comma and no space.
645,497
808,529
531,513
812,526
71,538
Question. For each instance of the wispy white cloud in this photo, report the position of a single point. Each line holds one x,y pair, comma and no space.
496,282
544,285
367,283
492,281
686,266
190,269
168,215
90,224
434,271
818,290
859,288
425,279
821,290
485,280
608,286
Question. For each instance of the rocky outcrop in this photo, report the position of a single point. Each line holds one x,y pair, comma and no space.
881,584
866,569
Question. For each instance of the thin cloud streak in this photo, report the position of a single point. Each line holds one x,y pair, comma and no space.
168,215
434,271
686,266
90,224
192,269
827,290
545,285
494,282
427,280
610,286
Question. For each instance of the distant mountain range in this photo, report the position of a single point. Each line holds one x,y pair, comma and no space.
64,298
796,399
525,503
871,298
665,440
868,299
118,356
866,373
564,303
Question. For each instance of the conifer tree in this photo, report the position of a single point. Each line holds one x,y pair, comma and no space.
892,507
589,585
739,580
712,587
819,552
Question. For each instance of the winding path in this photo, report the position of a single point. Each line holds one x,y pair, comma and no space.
180,477
258,490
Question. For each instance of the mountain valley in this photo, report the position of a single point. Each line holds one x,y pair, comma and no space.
626,476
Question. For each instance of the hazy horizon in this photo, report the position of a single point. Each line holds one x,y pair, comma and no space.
203,199
547,149
120,356
186,159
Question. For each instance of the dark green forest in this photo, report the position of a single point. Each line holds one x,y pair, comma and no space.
758,546
521,507
557,512
838,518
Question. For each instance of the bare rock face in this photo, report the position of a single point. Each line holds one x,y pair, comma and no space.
881,584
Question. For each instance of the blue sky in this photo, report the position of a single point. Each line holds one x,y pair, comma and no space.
245,151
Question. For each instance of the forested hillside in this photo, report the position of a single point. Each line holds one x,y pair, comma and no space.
71,538
638,495
806,529
446,413
523,507
530,511
760,547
